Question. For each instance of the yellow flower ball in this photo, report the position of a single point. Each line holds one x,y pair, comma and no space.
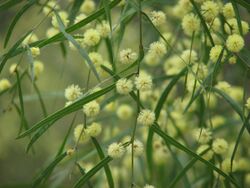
235,43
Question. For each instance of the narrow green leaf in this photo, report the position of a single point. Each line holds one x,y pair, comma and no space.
74,10
5,6
5,57
244,126
237,15
172,141
60,151
83,53
92,172
107,12
202,22
20,94
59,36
184,171
159,105
39,179
244,3
67,110
15,20
106,167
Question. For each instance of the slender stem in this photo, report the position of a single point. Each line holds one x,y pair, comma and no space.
141,54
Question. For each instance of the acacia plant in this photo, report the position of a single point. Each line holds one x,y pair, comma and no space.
149,93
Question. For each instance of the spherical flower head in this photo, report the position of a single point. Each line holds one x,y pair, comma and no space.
248,104
4,84
203,136
138,148
38,68
157,49
64,17
124,111
189,57
228,11
96,58
146,117
91,109
224,86
116,150
51,32
72,92
88,6
220,146
124,86
94,129
70,151
103,28
157,17
231,27
30,39
79,18
50,5
143,82
13,68
148,186
226,165
127,56
35,51
232,60
210,10
91,37
215,53
235,43
80,134
190,24
152,59
215,24
208,155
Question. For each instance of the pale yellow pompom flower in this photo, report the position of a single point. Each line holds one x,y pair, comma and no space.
157,17
143,82
91,109
124,86
91,37
210,10
88,6
80,134
215,53
35,51
190,24
64,17
224,86
94,129
248,104
127,56
124,112
157,49
228,11
38,68
96,58
208,155
138,148
13,68
189,57
51,32
235,43
4,84
231,27
72,92
220,146
116,150
146,117
103,28
203,136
